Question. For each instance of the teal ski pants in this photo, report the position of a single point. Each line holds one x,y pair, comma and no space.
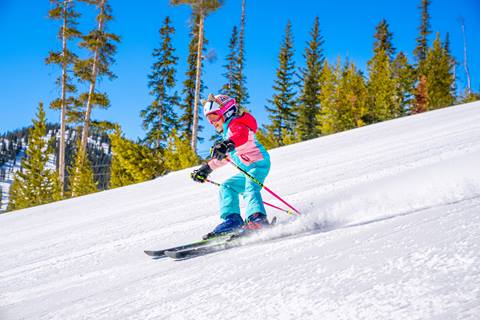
239,184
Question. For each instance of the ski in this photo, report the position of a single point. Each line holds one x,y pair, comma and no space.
206,246
232,241
181,254
197,244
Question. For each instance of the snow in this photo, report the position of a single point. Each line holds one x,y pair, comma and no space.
391,230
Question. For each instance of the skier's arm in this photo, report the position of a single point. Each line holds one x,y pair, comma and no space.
215,164
238,136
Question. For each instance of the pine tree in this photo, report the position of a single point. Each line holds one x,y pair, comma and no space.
421,96
424,29
327,115
352,98
119,176
383,40
81,174
35,184
404,75
242,95
231,87
132,162
283,112
17,194
101,44
343,98
64,10
440,79
383,89
159,118
451,62
179,154
309,98
266,138
383,103
201,8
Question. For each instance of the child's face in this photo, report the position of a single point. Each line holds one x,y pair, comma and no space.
216,120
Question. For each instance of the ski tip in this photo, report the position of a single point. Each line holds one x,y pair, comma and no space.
154,254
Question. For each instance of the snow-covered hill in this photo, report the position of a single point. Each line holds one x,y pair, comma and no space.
391,231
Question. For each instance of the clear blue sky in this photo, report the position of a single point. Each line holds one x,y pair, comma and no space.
347,26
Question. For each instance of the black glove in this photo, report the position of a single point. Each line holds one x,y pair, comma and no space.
220,149
201,173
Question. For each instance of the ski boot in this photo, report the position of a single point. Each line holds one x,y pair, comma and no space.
256,221
232,223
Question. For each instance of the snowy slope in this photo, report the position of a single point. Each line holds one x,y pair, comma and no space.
391,231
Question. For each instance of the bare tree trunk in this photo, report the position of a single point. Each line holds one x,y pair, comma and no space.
61,149
241,41
241,58
465,64
197,82
91,91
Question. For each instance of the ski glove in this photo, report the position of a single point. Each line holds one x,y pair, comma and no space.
220,150
200,174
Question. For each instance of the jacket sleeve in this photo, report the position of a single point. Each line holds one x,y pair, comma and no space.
215,164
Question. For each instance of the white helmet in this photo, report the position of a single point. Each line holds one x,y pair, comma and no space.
220,104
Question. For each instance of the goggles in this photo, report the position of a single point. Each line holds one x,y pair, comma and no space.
213,121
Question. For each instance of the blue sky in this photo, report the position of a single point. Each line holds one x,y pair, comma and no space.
347,28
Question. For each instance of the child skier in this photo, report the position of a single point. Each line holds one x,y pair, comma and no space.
240,146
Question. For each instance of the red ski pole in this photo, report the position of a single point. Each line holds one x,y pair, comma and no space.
263,186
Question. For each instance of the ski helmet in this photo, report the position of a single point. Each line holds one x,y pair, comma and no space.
221,105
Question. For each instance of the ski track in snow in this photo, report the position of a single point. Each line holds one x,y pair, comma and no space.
391,231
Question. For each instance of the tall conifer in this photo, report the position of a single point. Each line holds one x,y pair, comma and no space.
343,97
242,95
383,103
327,115
81,177
309,97
421,49
132,162
283,110
159,117
35,183
404,75
439,75
352,98
179,154
232,85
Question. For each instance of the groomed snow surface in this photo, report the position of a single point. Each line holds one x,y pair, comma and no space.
391,230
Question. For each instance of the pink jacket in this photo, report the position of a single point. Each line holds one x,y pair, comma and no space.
241,131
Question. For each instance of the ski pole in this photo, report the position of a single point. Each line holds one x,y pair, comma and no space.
266,203
263,186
